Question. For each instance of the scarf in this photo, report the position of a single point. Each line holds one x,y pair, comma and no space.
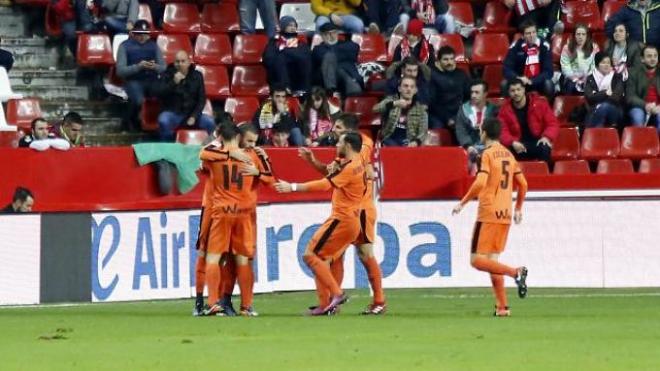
285,40
620,60
424,53
604,82
475,116
426,7
318,125
533,62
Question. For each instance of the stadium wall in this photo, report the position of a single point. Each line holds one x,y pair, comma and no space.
150,255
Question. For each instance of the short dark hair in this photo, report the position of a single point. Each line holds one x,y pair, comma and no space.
514,81
481,82
277,87
492,127
73,118
350,120
248,128
228,131
354,140
21,194
281,128
649,46
527,24
223,117
409,61
446,50
34,122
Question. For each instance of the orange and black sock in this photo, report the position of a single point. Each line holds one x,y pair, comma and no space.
375,279
337,269
213,281
228,272
323,274
244,275
498,289
200,272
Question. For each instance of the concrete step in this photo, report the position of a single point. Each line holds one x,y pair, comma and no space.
101,110
42,77
33,53
12,23
45,92
116,139
102,125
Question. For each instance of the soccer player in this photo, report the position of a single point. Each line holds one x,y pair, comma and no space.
498,172
349,184
348,122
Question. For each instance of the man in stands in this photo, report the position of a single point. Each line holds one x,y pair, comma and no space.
22,202
405,120
39,131
415,44
139,63
119,16
288,60
183,99
528,124
338,63
409,67
530,60
450,87
71,129
643,90
341,13
278,110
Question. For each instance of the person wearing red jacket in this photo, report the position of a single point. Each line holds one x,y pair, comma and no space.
529,127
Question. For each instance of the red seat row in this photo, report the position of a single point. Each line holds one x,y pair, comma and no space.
603,143
581,167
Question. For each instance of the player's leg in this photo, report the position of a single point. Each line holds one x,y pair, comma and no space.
368,259
218,244
228,278
243,246
337,269
497,281
485,241
200,263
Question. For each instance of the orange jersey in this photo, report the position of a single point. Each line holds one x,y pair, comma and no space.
350,186
208,185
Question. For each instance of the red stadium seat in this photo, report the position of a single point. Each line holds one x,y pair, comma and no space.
171,44
599,143
618,166
241,108
462,12
497,18
94,51
650,166
362,107
21,112
557,45
372,48
194,137
216,81
493,75
446,137
181,18
52,23
144,13
149,114
585,12
639,142
571,167
534,167
567,145
600,38
250,81
453,40
249,48
610,8
220,18
564,105
9,139
213,49
489,48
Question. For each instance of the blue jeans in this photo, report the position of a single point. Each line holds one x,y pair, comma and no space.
296,137
116,24
605,113
136,90
638,118
83,22
169,121
395,142
247,10
352,23
384,13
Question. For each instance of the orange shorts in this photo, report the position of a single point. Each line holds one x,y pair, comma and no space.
232,234
335,235
367,226
204,226
489,238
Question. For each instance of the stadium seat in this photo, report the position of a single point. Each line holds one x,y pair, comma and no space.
144,13
9,136
193,137
220,18
372,48
585,12
618,166
497,18
149,114
241,108
493,75
181,18
171,44
599,143
489,48
571,167
248,49
564,105
362,107
610,7
116,41
94,51
453,40
303,14
534,168
216,81
52,23
249,81
445,138
462,12
600,38
639,142
557,45
650,166
567,145
213,49
21,112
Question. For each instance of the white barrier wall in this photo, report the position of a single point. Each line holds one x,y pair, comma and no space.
20,252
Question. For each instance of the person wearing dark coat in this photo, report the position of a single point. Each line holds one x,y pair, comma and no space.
336,63
642,20
288,59
450,87
604,92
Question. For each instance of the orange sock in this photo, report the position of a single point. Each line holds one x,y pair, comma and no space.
244,275
375,279
200,273
337,269
323,274
323,293
228,272
498,289
492,266
213,281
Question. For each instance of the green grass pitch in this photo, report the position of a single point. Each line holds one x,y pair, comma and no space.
425,329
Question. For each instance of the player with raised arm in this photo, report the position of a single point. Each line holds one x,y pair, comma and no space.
497,175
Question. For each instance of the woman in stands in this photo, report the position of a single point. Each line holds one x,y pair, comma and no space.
604,93
317,116
625,53
577,60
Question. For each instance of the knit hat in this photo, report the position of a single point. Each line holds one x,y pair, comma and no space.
415,27
287,20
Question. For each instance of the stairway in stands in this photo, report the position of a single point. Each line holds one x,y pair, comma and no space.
44,69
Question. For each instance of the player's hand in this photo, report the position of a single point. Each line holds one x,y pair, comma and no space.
332,167
249,170
517,216
545,141
457,209
306,154
283,187
239,155
519,147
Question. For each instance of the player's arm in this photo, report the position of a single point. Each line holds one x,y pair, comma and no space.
477,186
307,155
313,186
213,154
520,181
265,167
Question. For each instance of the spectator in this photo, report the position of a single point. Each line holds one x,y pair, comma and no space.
248,13
530,60
450,87
6,59
343,123
604,93
341,13
433,13
288,60
71,129
40,139
625,53
470,116
544,13
183,99
415,44
528,124
317,116
281,136
73,16
577,60
642,20
139,63
381,14
278,110
405,120
338,63
643,90
22,202
409,67
119,16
